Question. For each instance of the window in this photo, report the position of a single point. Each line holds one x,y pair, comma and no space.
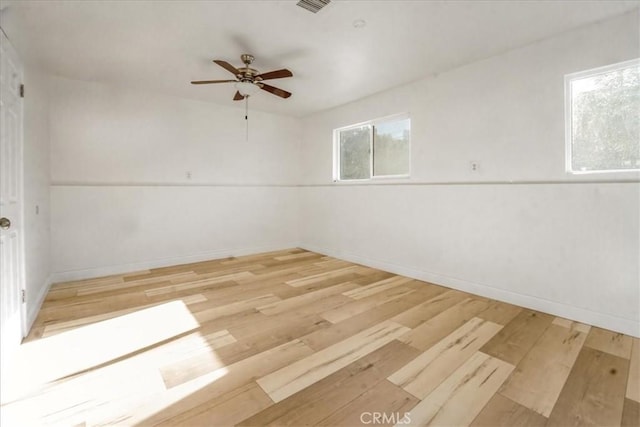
375,149
603,119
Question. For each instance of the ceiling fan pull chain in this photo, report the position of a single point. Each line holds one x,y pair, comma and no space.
246,115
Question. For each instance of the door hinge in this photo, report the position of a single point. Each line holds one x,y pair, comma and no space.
24,296
22,91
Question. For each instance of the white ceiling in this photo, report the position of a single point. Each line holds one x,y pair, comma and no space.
161,45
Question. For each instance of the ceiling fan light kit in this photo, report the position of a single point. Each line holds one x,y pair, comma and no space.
247,88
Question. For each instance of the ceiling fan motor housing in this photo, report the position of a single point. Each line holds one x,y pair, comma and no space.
247,74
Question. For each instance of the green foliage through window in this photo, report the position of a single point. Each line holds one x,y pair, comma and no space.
376,149
605,119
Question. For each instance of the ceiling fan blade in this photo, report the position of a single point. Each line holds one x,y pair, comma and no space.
238,97
278,74
274,90
230,68
206,82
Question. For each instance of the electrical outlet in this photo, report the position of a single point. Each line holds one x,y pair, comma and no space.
37,210
188,175
474,166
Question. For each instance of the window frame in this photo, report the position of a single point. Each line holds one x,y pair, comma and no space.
372,125
568,119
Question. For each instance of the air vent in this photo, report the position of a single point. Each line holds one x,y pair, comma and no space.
313,5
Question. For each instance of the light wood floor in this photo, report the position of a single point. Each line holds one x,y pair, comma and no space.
297,338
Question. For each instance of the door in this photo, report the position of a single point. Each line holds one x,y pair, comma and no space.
11,228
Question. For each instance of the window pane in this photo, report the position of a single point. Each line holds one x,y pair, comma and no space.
354,153
391,148
605,121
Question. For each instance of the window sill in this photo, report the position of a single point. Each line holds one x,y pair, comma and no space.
375,180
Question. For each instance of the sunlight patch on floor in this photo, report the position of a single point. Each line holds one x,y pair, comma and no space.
106,396
139,412
49,359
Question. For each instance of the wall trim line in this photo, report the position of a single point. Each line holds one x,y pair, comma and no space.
472,183
339,184
162,184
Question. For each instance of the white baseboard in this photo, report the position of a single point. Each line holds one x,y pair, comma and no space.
90,273
33,310
579,314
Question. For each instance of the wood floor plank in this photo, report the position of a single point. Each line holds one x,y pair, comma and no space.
570,324
160,271
196,343
213,273
249,323
610,342
290,292
321,276
306,298
312,404
374,288
293,378
630,414
503,412
423,286
384,397
354,308
92,305
633,382
58,327
151,281
69,402
429,290
233,277
423,374
296,256
518,336
221,296
539,377
324,305
148,275
372,276
594,392
339,331
297,268
323,266
234,308
76,284
60,294
278,262
500,312
470,387
422,312
195,364
203,389
438,327
224,410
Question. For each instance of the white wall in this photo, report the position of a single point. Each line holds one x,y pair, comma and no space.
121,199
549,241
36,191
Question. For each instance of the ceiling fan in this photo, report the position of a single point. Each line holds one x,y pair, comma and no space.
249,80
